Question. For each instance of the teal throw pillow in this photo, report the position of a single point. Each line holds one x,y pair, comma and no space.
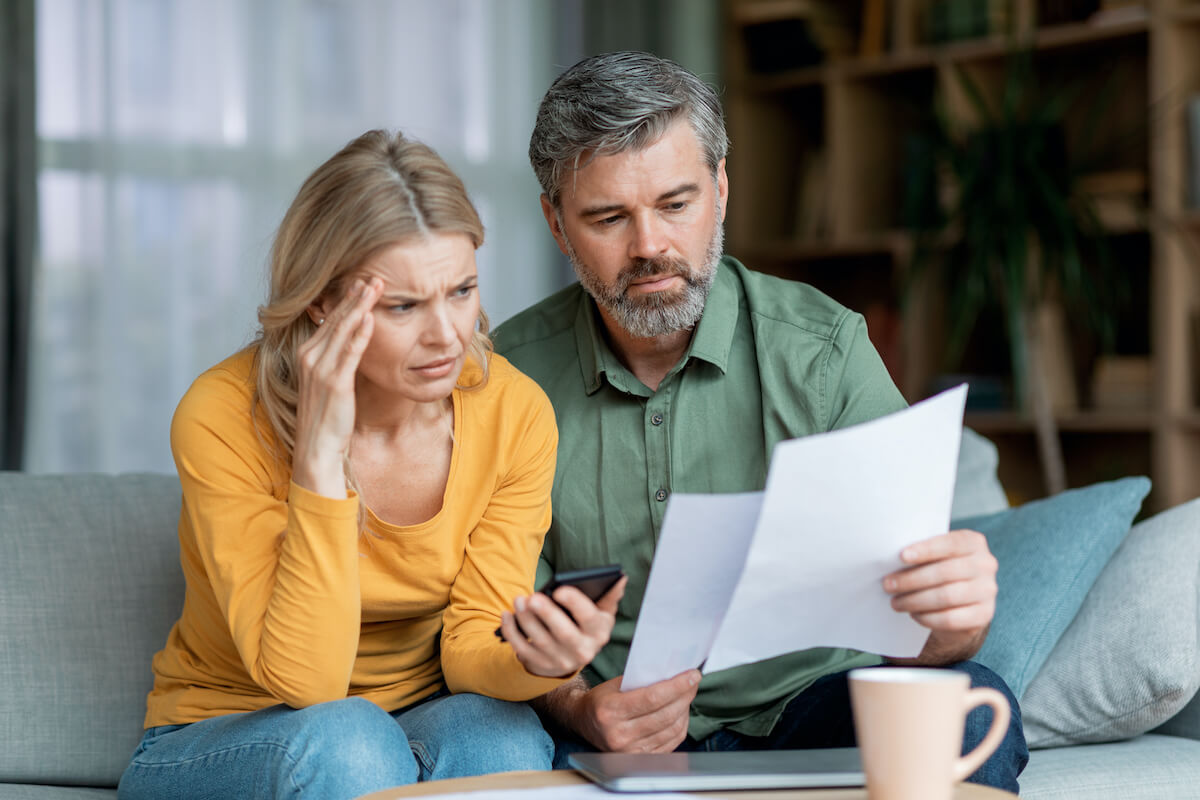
1050,552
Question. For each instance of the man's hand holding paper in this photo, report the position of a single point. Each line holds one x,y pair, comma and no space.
949,586
835,546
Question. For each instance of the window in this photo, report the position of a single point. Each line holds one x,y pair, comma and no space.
174,135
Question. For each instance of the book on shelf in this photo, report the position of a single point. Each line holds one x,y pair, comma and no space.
872,37
1117,196
1122,383
1193,136
812,198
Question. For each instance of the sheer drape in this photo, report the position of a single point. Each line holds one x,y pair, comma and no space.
172,137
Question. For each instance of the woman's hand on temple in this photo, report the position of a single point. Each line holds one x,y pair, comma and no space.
552,644
327,364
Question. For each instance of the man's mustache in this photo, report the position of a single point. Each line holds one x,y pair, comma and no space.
649,267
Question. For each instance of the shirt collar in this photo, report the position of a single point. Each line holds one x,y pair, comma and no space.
712,341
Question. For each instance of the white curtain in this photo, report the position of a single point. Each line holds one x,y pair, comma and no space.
173,134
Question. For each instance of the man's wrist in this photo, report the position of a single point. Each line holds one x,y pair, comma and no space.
560,706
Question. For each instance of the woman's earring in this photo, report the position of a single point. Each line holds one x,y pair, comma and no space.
321,321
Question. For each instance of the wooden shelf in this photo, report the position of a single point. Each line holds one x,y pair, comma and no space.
928,57
858,120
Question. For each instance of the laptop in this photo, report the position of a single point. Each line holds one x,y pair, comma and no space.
744,769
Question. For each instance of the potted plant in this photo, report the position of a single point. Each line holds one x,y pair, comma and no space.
999,207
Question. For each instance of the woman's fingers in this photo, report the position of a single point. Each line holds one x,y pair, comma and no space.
328,362
556,643
337,344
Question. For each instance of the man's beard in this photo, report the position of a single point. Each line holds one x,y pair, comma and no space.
646,315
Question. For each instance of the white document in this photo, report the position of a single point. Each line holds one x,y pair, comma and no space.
837,510
683,624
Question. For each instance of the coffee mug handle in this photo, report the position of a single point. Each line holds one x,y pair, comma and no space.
966,765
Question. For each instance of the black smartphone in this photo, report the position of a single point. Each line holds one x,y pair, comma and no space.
592,581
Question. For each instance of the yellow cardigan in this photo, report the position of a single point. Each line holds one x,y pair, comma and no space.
287,602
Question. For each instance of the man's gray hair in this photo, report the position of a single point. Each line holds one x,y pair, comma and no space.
611,103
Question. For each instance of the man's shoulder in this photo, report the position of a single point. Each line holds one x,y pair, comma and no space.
785,304
541,329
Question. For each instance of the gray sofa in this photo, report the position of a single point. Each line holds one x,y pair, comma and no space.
90,584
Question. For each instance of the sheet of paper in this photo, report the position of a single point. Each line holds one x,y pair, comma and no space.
697,563
837,510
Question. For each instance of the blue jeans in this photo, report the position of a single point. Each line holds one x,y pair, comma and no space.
340,749
820,716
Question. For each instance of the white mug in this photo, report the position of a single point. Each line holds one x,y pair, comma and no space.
909,722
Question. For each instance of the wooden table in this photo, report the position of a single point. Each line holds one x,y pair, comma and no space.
562,777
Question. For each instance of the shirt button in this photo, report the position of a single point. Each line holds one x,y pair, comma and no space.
660,495
656,418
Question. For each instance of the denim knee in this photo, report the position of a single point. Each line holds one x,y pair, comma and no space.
1010,758
341,749
468,734
353,736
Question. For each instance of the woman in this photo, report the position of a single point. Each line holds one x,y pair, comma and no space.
365,490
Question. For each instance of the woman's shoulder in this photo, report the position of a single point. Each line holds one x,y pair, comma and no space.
509,393
508,381
219,399
230,380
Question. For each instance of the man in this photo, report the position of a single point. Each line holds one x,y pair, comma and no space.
674,368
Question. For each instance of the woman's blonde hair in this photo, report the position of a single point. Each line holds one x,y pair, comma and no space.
380,190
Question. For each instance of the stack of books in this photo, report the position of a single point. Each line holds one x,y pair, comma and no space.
1122,383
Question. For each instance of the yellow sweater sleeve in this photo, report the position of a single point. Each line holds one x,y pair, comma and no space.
282,562
502,555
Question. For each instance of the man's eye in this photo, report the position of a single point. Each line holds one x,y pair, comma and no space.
608,221
400,308
679,206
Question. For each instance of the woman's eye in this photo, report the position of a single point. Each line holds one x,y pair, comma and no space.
464,291
400,308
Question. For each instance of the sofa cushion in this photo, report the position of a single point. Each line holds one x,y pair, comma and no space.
90,584
1050,552
977,488
1131,659
1149,767
28,791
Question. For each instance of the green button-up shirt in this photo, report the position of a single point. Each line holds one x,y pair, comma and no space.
770,360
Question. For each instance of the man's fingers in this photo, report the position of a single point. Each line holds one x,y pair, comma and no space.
946,545
651,719
925,576
663,694
946,596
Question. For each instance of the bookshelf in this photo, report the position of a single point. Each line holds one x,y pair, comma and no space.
818,178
